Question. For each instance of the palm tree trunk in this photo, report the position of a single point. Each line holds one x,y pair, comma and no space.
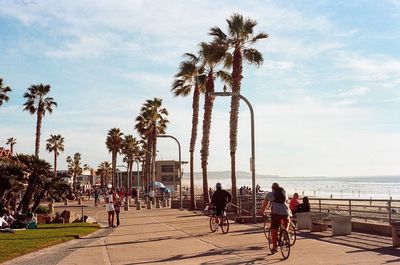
113,169
235,102
154,152
55,162
38,129
195,122
26,199
12,148
205,142
38,199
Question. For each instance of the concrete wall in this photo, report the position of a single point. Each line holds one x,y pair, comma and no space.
370,228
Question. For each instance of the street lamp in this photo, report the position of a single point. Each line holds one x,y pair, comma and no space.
252,159
180,165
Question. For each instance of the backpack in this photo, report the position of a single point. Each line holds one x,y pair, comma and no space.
280,195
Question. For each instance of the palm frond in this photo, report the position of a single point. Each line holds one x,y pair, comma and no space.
253,56
259,36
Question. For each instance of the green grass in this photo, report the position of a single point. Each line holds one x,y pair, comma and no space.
21,242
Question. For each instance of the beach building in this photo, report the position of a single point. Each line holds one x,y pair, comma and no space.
167,172
85,180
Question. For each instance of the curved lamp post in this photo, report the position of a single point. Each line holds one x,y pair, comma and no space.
180,165
253,158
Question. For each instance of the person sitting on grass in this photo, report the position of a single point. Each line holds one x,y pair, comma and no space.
31,221
3,223
8,217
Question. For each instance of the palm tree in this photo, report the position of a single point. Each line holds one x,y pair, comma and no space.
3,92
114,144
238,41
104,170
211,55
37,169
11,141
151,122
74,166
190,77
55,144
37,102
130,148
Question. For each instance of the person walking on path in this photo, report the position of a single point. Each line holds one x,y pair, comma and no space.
110,208
279,211
117,207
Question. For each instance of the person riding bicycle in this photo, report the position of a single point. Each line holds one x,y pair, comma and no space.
220,199
279,211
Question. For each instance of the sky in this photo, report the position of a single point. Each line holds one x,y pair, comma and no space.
326,99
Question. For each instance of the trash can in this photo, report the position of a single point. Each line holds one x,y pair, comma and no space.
396,233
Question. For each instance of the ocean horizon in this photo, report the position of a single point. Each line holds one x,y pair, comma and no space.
343,187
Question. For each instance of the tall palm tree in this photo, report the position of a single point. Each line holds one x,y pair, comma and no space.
55,144
3,92
104,170
37,102
152,121
190,77
74,166
211,55
130,149
238,41
11,141
114,145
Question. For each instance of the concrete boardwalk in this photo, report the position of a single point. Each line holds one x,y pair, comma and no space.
171,236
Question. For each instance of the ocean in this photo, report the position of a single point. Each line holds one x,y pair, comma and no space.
354,187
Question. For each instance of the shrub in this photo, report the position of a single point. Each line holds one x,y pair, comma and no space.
42,210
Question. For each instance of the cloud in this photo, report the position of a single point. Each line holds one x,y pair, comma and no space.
378,69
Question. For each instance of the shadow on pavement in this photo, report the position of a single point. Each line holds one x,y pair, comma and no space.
357,240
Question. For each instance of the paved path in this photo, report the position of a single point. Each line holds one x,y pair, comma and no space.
167,236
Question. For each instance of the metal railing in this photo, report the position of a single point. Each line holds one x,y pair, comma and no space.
378,210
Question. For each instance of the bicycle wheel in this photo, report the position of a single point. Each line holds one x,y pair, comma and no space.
267,231
292,233
284,244
213,224
225,225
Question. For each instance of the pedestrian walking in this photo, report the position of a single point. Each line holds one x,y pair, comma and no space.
110,208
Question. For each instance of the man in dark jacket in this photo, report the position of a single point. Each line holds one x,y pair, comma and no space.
219,199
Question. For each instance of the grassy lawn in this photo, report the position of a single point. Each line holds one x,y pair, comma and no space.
21,242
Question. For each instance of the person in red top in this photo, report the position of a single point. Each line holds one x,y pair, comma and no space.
294,202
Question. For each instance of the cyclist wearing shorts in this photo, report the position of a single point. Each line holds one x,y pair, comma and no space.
219,199
279,211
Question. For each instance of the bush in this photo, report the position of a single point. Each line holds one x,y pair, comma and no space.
42,210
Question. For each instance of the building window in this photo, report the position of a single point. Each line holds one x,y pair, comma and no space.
167,168
167,178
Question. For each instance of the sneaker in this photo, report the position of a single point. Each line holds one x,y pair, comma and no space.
274,250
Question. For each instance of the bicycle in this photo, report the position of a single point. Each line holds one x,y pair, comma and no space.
223,221
291,231
283,240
